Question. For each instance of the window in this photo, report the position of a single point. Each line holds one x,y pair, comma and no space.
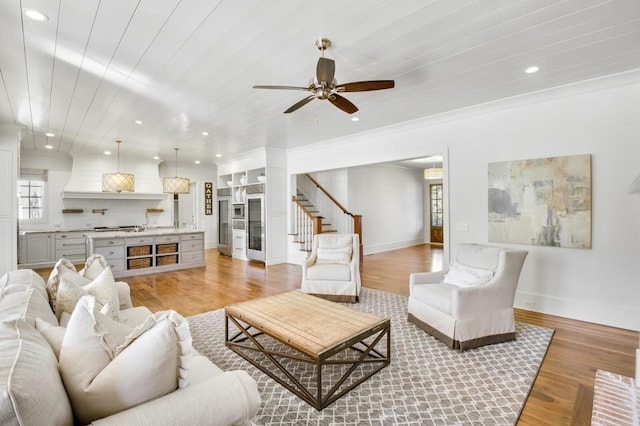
32,195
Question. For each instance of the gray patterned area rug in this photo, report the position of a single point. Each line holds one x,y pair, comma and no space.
425,384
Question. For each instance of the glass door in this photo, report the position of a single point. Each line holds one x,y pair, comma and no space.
224,225
435,195
255,227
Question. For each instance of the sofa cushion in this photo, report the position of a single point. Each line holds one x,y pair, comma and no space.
27,305
466,276
334,255
31,391
329,272
134,317
106,371
19,279
435,295
103,287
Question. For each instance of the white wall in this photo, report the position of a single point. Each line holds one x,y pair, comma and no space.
598,117
389,198
378,192
9,159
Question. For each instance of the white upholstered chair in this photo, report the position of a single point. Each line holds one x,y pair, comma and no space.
471,303
332,271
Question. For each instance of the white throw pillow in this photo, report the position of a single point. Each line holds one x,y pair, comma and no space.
52,334
334,255
465,276
108,367
63,269
95,264
103,287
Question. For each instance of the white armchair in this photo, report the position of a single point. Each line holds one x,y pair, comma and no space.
332,271
470,304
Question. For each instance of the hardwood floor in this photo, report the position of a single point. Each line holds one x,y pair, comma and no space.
562,393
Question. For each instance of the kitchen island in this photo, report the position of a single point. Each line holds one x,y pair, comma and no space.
148,251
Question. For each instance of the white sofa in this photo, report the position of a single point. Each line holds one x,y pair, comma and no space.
32,391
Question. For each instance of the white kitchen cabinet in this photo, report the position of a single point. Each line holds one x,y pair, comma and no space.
192,248
40,248
147,252
71,246
240,244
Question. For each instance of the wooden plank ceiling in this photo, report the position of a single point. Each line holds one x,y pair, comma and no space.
184,67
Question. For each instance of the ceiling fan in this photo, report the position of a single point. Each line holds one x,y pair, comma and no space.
326,87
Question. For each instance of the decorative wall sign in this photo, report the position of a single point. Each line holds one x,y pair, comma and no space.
208,198
543,202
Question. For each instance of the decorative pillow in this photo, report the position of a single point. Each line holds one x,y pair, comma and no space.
465,276
52,334
103,288
63,269
334,255
95,264
64,319
107,367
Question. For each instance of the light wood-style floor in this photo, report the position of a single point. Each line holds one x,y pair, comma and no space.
561,395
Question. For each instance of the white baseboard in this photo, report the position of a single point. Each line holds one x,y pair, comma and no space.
377,248
614,316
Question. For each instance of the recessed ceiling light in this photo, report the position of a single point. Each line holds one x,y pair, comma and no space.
48,146
107,153
49,134
197,161
531,70
205,133
36,15
218,155
155,157
139,121
355,119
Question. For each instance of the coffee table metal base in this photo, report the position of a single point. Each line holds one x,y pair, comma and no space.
360,352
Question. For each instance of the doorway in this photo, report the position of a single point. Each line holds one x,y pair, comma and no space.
436,216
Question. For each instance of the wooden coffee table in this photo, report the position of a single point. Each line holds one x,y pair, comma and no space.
317,349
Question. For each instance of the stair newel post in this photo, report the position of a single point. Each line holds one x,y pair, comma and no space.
357,229
317,225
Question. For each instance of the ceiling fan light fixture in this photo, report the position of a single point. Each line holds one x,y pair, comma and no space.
176,185
326,87
118,182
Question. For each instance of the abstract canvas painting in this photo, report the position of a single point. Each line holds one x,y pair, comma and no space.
543,201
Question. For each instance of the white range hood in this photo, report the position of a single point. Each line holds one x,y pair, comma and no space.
86,178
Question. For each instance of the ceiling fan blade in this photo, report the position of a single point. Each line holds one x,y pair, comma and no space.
280,87
343,103
325,70
300,104
366,86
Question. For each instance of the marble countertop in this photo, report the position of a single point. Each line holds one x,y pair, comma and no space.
42,231
148,232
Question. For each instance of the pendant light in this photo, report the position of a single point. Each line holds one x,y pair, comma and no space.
175,185
433,172
118,182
